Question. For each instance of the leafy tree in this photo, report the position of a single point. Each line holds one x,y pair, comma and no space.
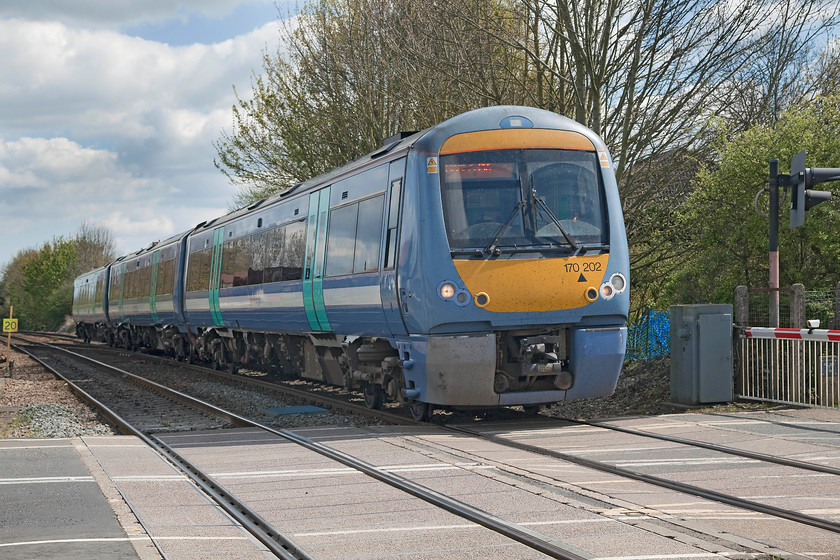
648,76
350,73
728,240
12,286
39,283
326,96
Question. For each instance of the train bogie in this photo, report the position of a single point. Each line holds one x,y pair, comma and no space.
479,263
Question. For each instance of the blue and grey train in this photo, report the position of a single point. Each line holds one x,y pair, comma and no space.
479,263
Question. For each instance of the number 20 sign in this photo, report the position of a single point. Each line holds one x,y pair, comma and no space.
10,325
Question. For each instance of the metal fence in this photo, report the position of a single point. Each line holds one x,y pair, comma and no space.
650,336
819,304
759,302
791,366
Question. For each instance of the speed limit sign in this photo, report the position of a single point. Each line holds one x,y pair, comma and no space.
10,325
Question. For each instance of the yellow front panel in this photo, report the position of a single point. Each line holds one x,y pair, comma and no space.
531,138
533,284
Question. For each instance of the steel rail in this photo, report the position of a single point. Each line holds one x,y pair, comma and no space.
523,535
742,503
281,546
790,424
713,447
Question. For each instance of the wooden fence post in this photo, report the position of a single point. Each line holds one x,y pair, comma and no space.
742,306
797,306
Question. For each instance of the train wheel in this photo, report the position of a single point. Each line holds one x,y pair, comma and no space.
374,396
532,410
420,411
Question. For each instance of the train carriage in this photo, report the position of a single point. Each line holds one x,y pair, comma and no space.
144,306
90,305
479,263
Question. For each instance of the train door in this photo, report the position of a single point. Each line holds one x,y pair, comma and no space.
313,270
216,275
388,283
120,291
153,287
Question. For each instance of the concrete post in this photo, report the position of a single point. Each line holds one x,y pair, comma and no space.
836,323
797,306
742,306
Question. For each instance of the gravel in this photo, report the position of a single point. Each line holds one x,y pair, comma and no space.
643,388
34,404
55,420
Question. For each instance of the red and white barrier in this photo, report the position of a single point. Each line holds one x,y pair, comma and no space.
819,335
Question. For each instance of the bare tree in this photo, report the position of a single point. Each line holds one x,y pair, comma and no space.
327,95
94,246
350,73
782,71
828,70
649,76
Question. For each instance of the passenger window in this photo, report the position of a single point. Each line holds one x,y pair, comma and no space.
274,255
256,266
342,240
355,237
368,235
294,248
393,223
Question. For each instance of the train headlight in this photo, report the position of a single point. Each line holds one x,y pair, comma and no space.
447,290
607,291
618,282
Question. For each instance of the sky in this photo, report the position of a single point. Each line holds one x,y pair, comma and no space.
109,111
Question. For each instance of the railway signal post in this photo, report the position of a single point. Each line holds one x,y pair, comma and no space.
802,198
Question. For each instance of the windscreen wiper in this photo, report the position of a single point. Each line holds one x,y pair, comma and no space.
491,248
541,203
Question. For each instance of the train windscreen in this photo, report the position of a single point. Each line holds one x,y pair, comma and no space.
515,198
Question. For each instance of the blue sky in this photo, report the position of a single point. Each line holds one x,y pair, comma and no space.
188,26
108,112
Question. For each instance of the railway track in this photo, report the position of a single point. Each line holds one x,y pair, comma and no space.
750,505
140,407
107,392
790,515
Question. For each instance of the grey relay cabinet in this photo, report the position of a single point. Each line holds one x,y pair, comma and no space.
701,353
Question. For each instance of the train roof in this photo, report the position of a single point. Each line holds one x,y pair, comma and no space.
397,144
428,140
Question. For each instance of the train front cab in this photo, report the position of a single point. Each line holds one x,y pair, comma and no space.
527,301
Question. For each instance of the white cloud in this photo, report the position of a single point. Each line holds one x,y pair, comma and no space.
85,81
99,126
44,177
111,13
48,187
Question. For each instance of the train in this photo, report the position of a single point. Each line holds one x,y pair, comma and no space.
479,263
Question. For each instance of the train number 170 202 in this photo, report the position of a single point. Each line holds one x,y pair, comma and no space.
587,267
